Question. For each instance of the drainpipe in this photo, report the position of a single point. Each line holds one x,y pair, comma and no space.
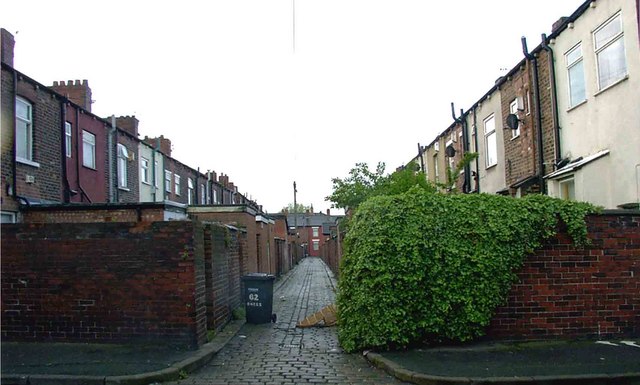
84,193
15,140
420,154
65,177
197,187
475,142
536,86
113,174
110,156
554,99
154,181
465,146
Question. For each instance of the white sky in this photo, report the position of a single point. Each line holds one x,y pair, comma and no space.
369,78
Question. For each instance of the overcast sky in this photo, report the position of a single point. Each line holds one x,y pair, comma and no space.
369,79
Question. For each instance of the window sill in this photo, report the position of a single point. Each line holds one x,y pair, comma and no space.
515,137
577,105
28,162
89,167
625,77
123,188
492,166
147,183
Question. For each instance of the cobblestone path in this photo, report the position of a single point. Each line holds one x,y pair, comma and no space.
280,353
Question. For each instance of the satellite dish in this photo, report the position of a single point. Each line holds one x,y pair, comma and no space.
513,121
450,151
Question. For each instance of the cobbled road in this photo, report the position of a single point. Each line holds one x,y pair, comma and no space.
280,353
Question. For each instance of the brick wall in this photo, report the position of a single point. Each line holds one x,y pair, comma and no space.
104,282
6,136
131,192
94,213
569,292
41,182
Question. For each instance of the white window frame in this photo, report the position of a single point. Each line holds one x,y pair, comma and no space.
123,172
490,135
26,122
88,149
68,139
513,109
315,244
8,215
315,231
144,170
607,44
203,194
436,173
167,181
155,174
573,62
189,191
215,196
176,184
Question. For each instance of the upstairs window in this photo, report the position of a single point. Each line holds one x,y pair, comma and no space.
176,184
316,232
88,149
490,142
68,136
190,191
144,170
203,195
24,130
513,109
167,181
609,47
123,173
575,72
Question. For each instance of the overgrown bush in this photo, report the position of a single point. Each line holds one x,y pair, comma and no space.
422,266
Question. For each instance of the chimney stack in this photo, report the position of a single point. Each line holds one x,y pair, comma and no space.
8,43
558,23
129,124
163,144
76,91
328,212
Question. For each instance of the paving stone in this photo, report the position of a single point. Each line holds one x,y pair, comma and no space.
280,353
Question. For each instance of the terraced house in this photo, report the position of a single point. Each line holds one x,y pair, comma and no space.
563,121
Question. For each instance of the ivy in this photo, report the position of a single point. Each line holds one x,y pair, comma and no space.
426,267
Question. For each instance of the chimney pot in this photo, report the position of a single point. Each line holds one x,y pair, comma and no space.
7,43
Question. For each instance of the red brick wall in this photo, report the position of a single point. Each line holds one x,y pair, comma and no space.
67,214
104,282
569,292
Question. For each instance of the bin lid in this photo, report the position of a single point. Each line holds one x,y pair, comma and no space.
259,277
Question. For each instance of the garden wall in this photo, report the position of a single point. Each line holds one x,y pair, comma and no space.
568,292
118,282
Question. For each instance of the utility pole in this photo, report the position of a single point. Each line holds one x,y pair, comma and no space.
295,210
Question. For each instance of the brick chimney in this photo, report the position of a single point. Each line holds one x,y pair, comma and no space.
8,43
328,212
77,92
128,123
161,143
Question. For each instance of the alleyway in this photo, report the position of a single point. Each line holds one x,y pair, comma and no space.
280,353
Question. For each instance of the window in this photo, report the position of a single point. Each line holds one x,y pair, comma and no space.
316,245
609,47
567,189
513,108
7,217
490,142
144,170
123,157
176,184
575,71
203,195
215,196
155,174
67,138
190,191
435,168
88,149
316,233
24,130
167,181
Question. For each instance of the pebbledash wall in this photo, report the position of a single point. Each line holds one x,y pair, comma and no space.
119,282
570,292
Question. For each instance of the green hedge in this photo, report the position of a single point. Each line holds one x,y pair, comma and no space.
430,267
